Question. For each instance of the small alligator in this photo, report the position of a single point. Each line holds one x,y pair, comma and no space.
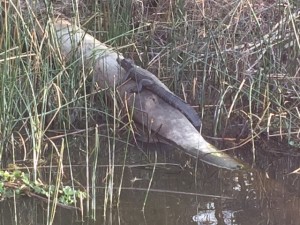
149,81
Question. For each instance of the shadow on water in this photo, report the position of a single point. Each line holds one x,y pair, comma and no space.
182,192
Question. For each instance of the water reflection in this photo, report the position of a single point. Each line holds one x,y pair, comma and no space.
210,216
182,191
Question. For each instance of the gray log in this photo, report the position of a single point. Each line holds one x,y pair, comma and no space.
149,109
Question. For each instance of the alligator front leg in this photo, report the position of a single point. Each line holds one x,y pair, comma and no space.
142,83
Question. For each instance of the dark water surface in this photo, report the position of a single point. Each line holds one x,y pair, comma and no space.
182,192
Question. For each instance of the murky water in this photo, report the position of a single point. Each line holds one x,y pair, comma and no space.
182,192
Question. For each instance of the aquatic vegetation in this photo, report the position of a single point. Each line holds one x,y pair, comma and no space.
19,183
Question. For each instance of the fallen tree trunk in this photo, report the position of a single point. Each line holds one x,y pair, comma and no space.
149,109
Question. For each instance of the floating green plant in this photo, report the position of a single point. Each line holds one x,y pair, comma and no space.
18,182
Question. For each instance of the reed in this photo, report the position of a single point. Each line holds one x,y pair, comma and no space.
228,61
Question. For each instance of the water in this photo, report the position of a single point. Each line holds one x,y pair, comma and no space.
182,192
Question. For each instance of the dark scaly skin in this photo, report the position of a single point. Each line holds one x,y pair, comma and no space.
147,80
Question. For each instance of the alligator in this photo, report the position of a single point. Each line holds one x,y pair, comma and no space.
147,80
